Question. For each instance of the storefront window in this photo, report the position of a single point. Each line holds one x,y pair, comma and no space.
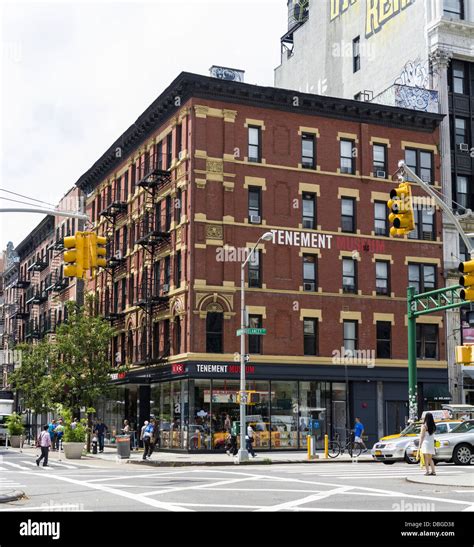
314,400
224,402
199,430
258,415
284,418
165,415
338,418
178,398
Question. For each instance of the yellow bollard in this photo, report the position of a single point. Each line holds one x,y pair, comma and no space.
308,445
326,447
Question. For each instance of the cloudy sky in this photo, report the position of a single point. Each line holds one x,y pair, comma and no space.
74,75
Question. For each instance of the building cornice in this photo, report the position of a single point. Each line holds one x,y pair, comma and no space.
187,86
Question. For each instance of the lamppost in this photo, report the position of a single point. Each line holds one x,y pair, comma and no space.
243,455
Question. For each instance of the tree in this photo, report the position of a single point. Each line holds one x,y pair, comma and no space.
31,379
80,371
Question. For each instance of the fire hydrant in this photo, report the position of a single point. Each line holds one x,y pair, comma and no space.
94,445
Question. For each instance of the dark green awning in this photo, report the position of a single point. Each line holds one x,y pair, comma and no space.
436,392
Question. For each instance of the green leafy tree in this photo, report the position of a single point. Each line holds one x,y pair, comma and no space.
80,371
31,379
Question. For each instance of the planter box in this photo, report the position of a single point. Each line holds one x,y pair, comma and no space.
73,451
16,441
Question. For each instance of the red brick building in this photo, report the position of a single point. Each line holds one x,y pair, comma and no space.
208,168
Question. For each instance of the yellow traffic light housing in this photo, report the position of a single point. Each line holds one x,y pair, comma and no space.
74,258
97,251
253,397
465,355
467,280
401,214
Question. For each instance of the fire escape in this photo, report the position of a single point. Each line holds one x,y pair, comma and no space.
54,284
154,236
36,295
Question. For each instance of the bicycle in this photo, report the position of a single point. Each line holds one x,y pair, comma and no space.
337,447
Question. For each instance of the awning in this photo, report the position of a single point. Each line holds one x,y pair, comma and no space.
468,371
436,392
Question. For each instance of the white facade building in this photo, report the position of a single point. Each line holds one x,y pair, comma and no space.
415,54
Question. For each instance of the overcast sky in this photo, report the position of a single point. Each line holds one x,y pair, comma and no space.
75,75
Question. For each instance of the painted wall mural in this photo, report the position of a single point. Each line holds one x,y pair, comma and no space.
378,12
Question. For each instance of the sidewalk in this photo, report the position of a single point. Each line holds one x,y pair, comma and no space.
171,459
463,481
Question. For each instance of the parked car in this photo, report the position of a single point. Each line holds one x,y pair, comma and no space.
457,446
397,448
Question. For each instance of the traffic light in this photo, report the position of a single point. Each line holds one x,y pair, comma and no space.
252,397
97,251
401,210
74,258
467,280
465,355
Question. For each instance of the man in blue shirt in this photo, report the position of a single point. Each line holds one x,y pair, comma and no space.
358,432
100,429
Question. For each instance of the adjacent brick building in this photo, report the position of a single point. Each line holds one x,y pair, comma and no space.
207,169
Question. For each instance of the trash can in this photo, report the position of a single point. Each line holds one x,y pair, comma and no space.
123,446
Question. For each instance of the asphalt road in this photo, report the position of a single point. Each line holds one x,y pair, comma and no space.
99,486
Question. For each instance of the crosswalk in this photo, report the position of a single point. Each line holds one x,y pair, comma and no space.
27,465
7,484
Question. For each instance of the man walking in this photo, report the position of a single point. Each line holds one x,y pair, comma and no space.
250,439
100,429
52,433
358,432
44,442
147,438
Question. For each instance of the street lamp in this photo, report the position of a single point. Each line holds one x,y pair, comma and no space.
242,454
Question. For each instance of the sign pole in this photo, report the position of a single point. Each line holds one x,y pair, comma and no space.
242,454
412,372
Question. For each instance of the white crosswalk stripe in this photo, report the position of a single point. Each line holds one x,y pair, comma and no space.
51,464
16,466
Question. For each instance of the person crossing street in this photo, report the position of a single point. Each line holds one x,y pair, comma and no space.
44,442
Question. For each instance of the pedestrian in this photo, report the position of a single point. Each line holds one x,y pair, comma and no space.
154,442
147,438
227,423
100,429
59,434
126,428
358,432
52,433
74,423
142,430
44,442
250,440
427,443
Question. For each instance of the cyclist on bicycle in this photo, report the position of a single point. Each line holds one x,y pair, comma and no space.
358,432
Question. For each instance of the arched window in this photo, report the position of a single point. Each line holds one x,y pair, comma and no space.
214,329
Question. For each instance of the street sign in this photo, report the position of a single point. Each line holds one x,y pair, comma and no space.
259,332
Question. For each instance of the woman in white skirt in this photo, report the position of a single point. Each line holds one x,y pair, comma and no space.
427,443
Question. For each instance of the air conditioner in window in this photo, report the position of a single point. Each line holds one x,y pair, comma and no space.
166,287
380,174
308,223
425,178
118,255
255,219
181,155
309,286
464,147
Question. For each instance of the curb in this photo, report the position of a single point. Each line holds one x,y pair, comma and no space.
420,480
11,496
231,462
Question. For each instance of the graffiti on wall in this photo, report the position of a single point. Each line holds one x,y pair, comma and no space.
416,98
378,12
415,73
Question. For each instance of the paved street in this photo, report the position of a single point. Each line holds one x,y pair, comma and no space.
101,485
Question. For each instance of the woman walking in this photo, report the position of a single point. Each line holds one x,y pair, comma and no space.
427,443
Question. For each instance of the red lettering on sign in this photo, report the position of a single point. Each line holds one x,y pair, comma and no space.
177,368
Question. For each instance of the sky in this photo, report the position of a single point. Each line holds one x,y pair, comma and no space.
75,75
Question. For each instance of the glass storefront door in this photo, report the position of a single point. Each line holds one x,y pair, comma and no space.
314,398
284,414
223,403
199,428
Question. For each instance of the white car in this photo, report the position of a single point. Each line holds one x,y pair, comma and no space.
398,448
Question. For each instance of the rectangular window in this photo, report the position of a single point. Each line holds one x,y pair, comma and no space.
350,335
310,336
255,341
349,280
460,131
426,341
309,211
309,273
214,332
133,180
421,163
159,156
454,9
168,213
308,151
124,293
178,270
462,193
422,277
348,215
384,340
356,54
382,277
167,273
125,186
380,160
255,205
347,151
458,77
169,151
424,225
156,278
380,216
255,145
179,139
255,269
131,290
